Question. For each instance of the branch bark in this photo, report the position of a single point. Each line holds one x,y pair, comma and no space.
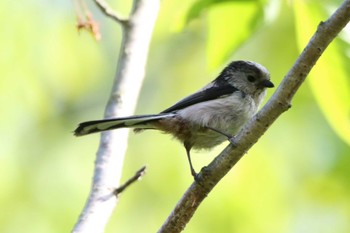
137,31
256,127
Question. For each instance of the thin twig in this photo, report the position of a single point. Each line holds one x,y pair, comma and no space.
249,135
130,181
108,11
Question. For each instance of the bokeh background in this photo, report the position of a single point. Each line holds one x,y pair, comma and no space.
296,179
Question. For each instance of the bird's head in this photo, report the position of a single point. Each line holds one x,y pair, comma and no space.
248,77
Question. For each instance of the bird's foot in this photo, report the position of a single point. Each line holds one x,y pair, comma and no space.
198,178
232,140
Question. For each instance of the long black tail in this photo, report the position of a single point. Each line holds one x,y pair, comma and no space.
142,121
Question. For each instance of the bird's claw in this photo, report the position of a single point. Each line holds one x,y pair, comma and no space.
232,140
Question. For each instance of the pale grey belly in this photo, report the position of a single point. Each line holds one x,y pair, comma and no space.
227,115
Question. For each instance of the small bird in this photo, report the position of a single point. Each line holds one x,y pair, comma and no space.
206,118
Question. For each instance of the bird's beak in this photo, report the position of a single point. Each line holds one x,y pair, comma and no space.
266,83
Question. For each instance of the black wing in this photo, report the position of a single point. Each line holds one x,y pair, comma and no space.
211,93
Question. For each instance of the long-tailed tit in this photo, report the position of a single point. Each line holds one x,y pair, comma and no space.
206,118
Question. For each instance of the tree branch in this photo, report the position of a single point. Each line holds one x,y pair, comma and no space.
122,101
256,127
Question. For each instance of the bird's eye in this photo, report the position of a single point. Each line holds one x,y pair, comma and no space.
251,78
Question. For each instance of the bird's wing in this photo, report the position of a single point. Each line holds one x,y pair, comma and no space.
211,93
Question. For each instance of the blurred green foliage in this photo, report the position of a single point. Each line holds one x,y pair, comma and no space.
335,64
295,179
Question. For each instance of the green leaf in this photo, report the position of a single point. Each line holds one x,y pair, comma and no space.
329,80
201,5
229,25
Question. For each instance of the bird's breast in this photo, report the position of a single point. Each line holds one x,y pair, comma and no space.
227,114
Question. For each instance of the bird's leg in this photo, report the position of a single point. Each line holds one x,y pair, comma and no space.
188,149
230,137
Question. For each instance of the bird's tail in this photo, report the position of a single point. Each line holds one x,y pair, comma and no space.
140,122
